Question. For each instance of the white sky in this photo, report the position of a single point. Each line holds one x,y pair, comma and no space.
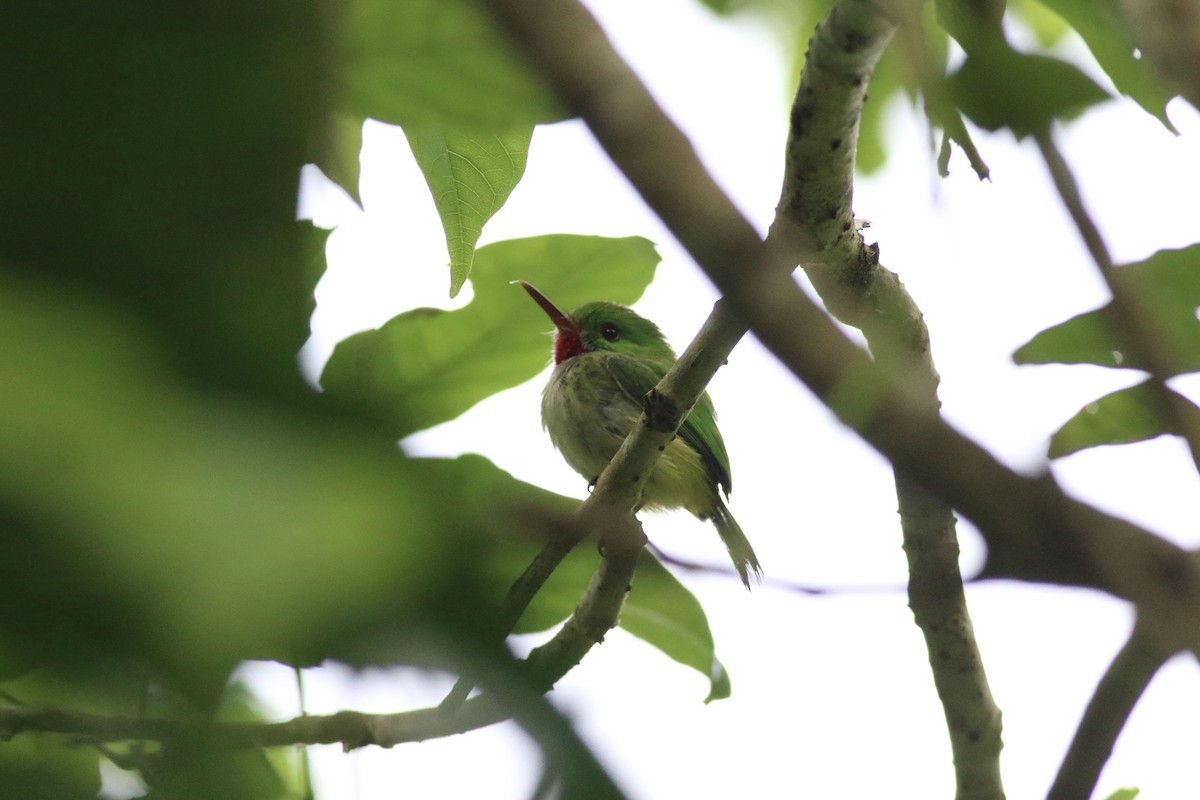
832,695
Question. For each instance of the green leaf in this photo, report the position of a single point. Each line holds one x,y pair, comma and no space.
197,773
999,88
1089,338
559,595
470,178
1124,416
1124,794
976,26
662,612
440,64
887,82
1166,287
1111,44
1048,27
339,152
43,767
427,366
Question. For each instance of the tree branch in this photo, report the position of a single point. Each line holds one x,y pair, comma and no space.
595,615
519,596
815,215
1117,693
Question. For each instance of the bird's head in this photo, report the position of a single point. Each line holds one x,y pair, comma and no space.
601,326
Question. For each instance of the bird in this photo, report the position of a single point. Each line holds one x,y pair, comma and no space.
606,358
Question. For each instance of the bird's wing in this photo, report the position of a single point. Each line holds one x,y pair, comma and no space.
634,376
700,431
637,376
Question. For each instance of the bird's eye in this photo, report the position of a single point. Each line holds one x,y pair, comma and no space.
610,331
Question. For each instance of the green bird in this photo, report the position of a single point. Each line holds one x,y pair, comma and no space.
606,358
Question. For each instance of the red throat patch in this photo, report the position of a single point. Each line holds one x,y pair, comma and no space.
567,344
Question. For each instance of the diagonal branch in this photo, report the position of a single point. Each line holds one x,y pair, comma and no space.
1106,713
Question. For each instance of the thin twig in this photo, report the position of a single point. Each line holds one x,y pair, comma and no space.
596,613
519,596
772,583
305,763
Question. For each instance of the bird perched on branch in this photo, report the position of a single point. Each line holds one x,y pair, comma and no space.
606,358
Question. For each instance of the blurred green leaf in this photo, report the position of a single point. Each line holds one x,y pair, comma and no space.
204,773
1166,287
1112,46
147,521
45,767
999,88
557,598
1047,26
1124,416
888,81
427,366
152,153
340,150
470,177
439,64
977,26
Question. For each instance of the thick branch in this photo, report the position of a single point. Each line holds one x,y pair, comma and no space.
816,216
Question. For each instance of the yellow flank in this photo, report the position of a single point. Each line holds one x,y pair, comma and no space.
588,417
679,481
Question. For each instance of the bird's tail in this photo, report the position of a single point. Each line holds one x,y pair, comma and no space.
736,543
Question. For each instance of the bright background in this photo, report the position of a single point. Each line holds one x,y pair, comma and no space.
832,695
